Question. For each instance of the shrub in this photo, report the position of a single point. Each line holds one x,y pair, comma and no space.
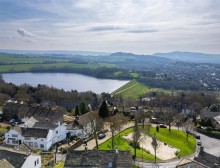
210,129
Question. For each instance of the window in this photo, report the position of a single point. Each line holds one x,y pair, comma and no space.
37,161
27,138
42,139
57,132
14,142
41,145
14,135
35,144
31,144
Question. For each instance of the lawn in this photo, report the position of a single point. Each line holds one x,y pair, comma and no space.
124,145
3,130
174,138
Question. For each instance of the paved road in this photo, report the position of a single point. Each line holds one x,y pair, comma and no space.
211,145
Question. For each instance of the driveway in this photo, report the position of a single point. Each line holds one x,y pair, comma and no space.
91,144
211,145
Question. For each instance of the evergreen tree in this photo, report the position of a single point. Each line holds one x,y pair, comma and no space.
83,108
77,110
103,110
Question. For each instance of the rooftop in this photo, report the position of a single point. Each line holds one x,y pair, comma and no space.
98,158
15,159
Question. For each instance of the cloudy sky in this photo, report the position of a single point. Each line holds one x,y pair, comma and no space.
138,26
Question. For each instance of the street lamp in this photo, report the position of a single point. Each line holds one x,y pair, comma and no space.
155,145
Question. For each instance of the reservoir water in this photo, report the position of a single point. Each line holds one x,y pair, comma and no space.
66,81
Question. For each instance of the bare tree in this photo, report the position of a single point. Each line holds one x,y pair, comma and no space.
115,123
136,137
169,117
96,124
188,126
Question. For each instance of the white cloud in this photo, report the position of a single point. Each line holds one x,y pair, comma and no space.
141,26
24,33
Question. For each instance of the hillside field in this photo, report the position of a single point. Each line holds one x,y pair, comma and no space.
134,89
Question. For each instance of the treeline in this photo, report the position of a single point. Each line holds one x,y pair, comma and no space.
47,96
171,84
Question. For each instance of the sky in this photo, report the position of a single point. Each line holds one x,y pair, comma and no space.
137,26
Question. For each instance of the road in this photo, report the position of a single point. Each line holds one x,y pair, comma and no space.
211,145
91,144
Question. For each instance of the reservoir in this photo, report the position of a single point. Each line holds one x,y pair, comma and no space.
65,81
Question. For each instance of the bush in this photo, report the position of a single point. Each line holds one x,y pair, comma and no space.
210,129
8,127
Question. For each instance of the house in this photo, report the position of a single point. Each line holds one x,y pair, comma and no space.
214,117
98,159
40,136
20,111
83,125
4,163
208,159
216,122
18,160
188,163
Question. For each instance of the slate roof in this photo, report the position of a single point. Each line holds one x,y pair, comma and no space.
211,114
34,132
98,158
39,113
184,163
44,126
5,164
15,159
88,117
217,119
208,159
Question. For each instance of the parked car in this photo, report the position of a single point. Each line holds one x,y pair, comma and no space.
199,143
14,123
11,121
101,135
196,136
162,126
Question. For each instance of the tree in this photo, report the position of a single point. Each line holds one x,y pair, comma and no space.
188,126
136,136
214,108
143,114
115,124
103,110
96,124
169,117
77,110
83,108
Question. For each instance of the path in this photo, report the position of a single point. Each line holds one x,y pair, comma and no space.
126,89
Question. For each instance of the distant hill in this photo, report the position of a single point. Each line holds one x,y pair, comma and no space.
191,57
62,52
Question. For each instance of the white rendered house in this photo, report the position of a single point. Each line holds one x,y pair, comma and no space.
41,136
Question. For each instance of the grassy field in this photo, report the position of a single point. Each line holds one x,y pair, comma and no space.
134,89
124,145
174,138
29,67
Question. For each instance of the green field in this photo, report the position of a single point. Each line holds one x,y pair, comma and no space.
31,67
134,89
124,145
174,138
